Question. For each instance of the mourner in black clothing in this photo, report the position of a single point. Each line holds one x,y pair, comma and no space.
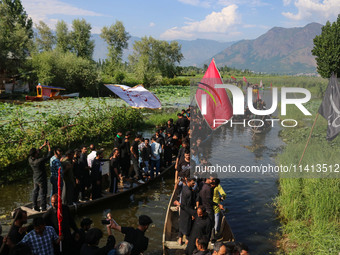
169,144
77,175
135,236
85,179
183,169
92,238
170,128
125,155
182,125
37,164
17,231
118,140
79,236
96,176
135,156
187,199
201,227
51,219
114,171
202,246
206,199
185,145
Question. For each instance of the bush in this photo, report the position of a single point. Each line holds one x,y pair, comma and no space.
66,70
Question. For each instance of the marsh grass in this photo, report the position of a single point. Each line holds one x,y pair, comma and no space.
309,208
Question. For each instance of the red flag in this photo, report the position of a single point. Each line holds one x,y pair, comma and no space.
218,105
60,209
245,79
233,78
271,85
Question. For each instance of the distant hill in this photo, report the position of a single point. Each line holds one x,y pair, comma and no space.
195,52
280,50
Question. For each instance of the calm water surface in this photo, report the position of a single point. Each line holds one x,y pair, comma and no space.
249,200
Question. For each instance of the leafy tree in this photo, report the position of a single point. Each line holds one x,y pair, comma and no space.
117,39
151,56
56,68
81,42
63,37
45,39
327,49
15,36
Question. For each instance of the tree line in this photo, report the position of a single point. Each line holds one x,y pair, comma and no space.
63,57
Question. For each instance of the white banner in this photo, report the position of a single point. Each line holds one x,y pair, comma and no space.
137,97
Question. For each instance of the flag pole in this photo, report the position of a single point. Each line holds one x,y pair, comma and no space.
60,211
310,134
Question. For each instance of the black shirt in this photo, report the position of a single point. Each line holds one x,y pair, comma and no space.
136,238
206,197
183,168
135,148
146,153
14,234
114,163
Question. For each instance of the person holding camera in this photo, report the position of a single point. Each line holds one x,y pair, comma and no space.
37,163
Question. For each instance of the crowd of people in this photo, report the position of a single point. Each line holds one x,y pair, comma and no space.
42,237
137,159
197,197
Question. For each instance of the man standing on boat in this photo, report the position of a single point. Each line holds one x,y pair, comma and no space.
201,227
55,164
125,155
156,151
188,200
145,155
68,176
37,164
85,183
114,171
135,156
206,199
91,156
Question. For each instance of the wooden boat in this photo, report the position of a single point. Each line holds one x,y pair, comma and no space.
49,93
128,188
256,127
170,244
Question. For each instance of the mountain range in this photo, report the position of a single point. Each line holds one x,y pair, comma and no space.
195,52
280,50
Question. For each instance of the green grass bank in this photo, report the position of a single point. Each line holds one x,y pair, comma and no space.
309,208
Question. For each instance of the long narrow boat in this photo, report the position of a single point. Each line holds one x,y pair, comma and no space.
170,244
127,189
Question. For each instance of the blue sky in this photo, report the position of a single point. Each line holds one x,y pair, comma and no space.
221,20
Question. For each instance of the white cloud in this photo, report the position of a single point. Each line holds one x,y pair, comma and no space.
251,3
316,10
286,2
43,9
152,24
203,3
215,22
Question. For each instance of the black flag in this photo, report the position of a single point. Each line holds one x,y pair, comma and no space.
330,108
